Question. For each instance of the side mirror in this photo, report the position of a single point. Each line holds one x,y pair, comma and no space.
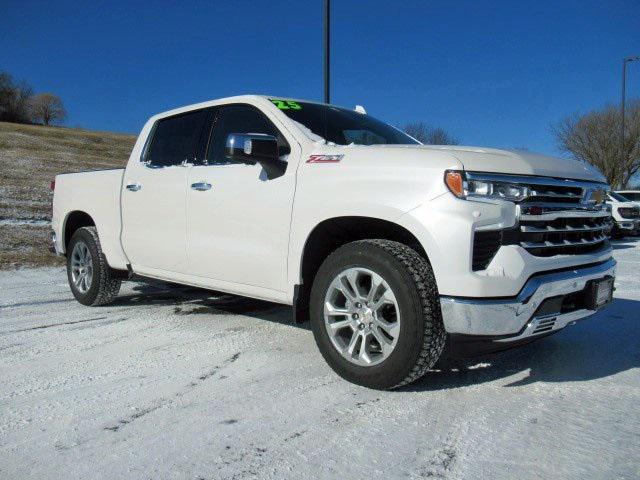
252,148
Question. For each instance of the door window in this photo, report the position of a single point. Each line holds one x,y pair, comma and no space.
175,139
239,119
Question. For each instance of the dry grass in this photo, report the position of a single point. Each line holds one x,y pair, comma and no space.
30,157
25,246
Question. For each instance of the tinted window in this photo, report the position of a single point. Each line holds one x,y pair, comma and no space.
175,138
239,119
632,196
618,197
342,126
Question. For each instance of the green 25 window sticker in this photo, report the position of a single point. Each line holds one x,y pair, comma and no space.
286,104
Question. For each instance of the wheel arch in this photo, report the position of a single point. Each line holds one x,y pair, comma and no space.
73,221
332,233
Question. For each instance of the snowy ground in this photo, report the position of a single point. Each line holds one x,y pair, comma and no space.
172,384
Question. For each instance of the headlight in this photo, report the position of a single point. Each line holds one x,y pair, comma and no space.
464,186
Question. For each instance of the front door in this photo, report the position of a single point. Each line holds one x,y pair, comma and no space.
238,220
154,196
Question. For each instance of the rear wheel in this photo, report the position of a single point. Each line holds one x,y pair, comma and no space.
91,279
375,314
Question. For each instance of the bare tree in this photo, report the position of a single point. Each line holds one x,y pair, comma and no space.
595,138
429,135
47,108
14,99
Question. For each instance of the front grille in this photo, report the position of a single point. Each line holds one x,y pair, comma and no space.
629,212
558,217
545,232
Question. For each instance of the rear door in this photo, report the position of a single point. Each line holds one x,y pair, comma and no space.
238,228
153,199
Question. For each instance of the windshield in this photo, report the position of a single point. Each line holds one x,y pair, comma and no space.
343,127
618,197
635,196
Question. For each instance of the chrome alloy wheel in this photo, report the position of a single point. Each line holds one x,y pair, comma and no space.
362,316
81,267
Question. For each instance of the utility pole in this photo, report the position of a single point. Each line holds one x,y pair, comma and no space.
624,82
327,50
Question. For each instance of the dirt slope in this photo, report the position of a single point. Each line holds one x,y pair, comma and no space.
30,157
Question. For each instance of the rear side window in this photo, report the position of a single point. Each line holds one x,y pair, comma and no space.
175,138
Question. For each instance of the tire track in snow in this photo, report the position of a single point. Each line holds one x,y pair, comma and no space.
163,402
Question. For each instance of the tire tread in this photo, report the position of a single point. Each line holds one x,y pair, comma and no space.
434,335
108,279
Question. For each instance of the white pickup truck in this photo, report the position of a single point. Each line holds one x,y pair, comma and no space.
390,248
625,214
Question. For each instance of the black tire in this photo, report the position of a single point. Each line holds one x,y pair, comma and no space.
105,283
422,335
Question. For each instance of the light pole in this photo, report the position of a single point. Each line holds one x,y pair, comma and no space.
327,48
624,82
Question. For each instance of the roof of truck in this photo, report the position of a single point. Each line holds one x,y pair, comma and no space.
249,98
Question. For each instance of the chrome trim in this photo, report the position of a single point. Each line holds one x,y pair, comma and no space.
549,323
567,229
581,207
587,199
564,243
550,194
54,244
566,214
509,316
535,180
201,186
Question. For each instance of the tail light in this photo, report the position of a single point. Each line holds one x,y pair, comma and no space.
52,185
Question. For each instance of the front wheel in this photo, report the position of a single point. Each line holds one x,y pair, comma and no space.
93,282
375,314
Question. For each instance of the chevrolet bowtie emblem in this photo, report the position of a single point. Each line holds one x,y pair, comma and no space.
594,196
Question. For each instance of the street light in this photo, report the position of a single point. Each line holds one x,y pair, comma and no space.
624,81
327,48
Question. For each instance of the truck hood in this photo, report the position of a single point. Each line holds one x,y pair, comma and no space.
492,160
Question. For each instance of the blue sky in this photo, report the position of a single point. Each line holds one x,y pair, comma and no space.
491,73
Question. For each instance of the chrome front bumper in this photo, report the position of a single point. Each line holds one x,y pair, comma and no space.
512,319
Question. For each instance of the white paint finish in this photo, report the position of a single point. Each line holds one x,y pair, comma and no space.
520,162
162,375
155,232
364,183
97,194
248,253
617,205
445,229
238,231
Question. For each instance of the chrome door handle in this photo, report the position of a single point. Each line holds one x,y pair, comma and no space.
201,186
134,187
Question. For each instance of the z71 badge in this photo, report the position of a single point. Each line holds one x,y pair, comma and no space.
325,158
